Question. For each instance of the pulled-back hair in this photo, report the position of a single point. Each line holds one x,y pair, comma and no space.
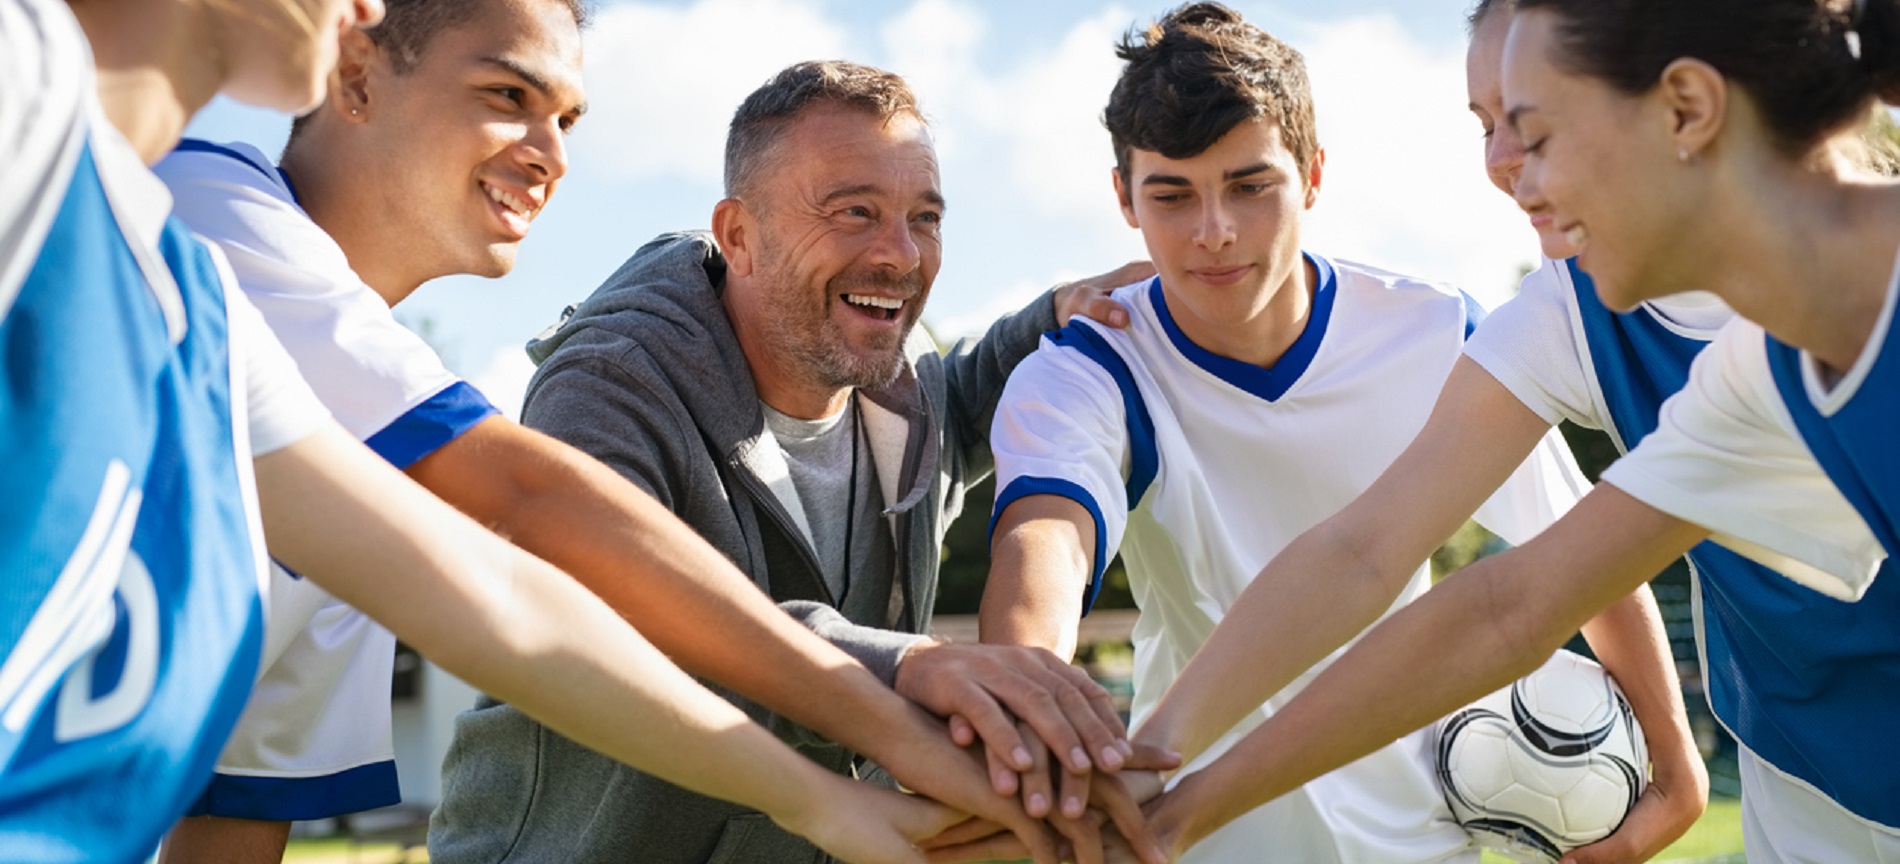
1198,72
763,117
409,26
1794,58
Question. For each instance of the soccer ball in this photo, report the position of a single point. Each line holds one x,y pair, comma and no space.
1550,763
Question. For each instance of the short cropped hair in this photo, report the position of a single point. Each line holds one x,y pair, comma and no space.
1198,72
409,26
763,117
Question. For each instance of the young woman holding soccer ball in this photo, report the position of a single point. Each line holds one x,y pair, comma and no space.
1677,146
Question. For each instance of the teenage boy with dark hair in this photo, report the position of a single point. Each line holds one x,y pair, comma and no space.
1257,389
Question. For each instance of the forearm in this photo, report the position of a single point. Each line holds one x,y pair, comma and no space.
1040,564
657,573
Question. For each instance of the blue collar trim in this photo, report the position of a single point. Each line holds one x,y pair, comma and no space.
1271,382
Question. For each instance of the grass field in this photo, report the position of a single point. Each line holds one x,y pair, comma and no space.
1716,839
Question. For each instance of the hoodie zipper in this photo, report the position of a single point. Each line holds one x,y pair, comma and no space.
783,519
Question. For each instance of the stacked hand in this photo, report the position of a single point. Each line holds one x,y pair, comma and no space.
1048,736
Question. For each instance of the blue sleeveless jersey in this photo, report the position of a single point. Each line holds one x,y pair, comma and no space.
129,608
1808,683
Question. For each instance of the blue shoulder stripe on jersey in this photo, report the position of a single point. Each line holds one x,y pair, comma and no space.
437,421
1023,487
275,174
1144,459
1474,313
1269,383
287,799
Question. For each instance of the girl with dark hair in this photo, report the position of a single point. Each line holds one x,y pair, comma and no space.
1675,146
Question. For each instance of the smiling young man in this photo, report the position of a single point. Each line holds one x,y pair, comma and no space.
1257,389
439,142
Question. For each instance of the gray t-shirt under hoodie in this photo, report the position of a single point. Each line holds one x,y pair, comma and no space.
836,478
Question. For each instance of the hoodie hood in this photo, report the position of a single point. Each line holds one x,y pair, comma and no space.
679,272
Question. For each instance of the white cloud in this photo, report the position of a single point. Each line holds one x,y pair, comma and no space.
934,45
1049,114
663,81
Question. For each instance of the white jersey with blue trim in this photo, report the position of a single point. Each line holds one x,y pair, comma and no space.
1726,455
137,389
315,740
1200,470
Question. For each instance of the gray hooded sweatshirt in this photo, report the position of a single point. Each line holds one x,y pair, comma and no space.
647,376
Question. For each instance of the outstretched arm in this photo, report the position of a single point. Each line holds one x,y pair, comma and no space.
1500,617
519,629
1058,437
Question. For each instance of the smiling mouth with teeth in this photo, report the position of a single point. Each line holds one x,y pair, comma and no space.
502,197
880,307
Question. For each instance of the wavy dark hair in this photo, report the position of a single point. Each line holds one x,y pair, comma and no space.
1195,74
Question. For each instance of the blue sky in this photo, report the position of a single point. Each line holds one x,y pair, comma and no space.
1014,91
